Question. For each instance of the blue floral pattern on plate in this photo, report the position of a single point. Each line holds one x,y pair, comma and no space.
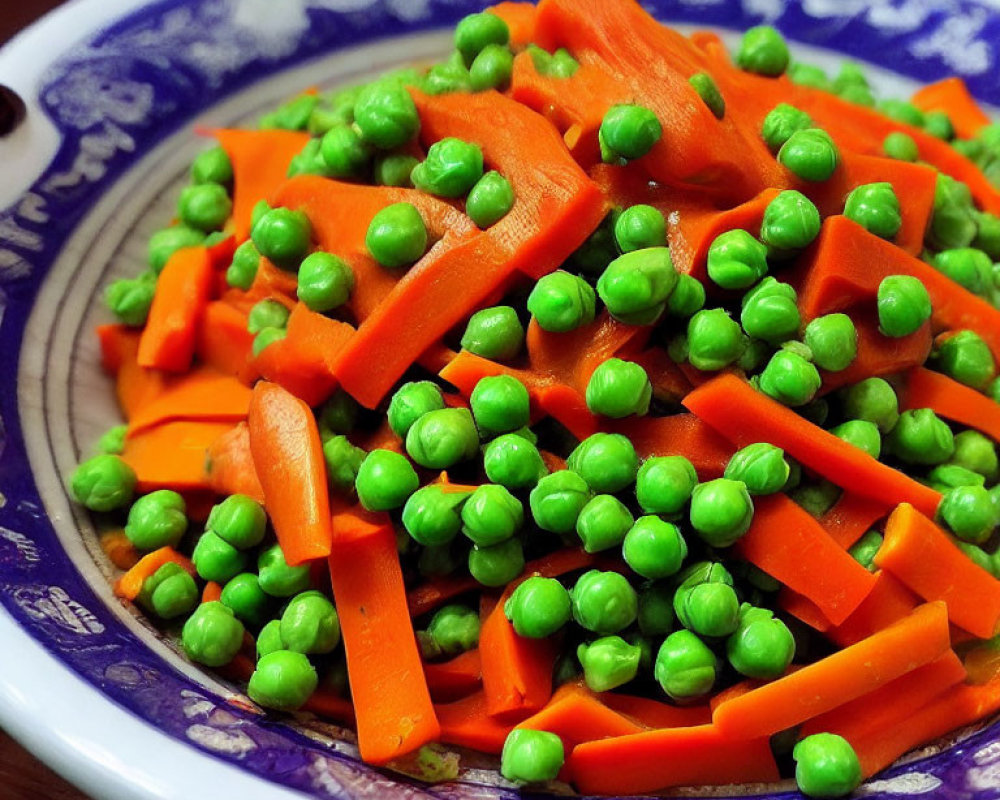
114,98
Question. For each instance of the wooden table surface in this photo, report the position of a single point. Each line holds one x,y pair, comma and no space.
22,776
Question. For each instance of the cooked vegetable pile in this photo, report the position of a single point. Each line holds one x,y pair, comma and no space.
594,398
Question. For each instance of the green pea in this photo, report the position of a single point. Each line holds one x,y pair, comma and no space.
257,213
791,222
410,402
817,498
129,299
968,512
561,302
653,548
606,461
721,511
603,523
685,667
761,647
103,483
790,379
157,520
781,122
967,266
385,115
477,31
310,624
687,298
432,516
216,559
755,355
921,437
212,166
947,476
863,551
900,146
850,74
442,438
809,75
656,609
283,680
977,453
112,441
393,169
239,520
492,68
902,111
663,484
993,390
763,51
173,593
557,500
833,340
639,227
769,312
635,286
810,154
736,260
598,250
344,153
325,281
826,766
437,561
267,313
283,236
243,595
446,78
965,357
338,414
862,434
454,629
343,460
538,607
903,305
708,91
760,580
628,132
608,662
491,515
500,404
212,635
715,339
164,243
513,462
859,95
452,167
243,269
498,564
875,207
293,115
205,207
309,160
619,389
494,333
873,400
953,221
709,609
397,236
677,348
323,119
563,65
276,577
604,602
761,467
988,235
531,756
385,479
490,199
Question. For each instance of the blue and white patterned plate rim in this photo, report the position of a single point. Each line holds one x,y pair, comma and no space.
104,81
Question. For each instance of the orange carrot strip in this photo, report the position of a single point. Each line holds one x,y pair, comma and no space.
679,435
818,687
952,96
182,292
211,592
891,703
455,678
657,759
467,723
888,602
135,386
224,341
118,343
172,455
391,700
260,162
575,714
744,416
951,400
130,584
230,465
119,549
656,714
517,671
668,381
326,704
803,609
288,459
736,690
787,543
851,517
520,19
203,395
919,554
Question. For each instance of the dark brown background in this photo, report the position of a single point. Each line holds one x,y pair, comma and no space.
22,777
